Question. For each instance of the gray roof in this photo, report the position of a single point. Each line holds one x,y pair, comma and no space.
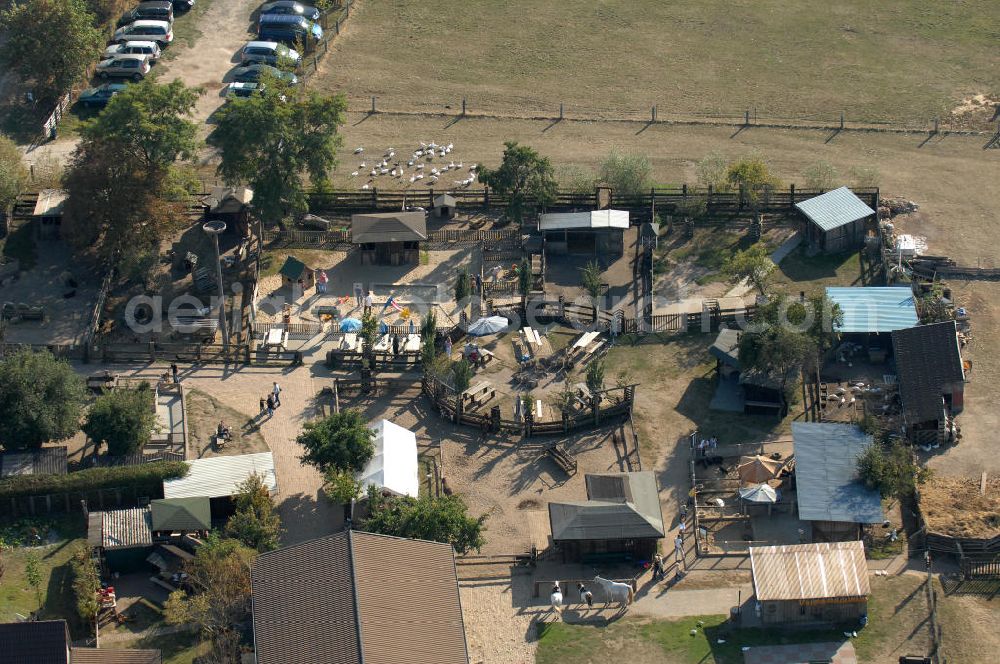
826,474
43,461
927,359
619,506
445,200
388,227
727,347
834,209
180,514
34,642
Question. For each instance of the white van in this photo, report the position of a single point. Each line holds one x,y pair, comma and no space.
158,31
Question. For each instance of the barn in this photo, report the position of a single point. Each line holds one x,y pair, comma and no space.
835,221
389,238
596,233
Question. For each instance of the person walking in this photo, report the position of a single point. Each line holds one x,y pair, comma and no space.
270,406
679,549
447,347
658,571
263,405
321,280
369,301
173,372
276,392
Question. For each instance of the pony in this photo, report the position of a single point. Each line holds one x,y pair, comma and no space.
556,598
614,591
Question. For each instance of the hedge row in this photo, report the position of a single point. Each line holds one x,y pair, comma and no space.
93,479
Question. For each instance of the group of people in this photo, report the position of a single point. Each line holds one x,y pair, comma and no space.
706,446
270,403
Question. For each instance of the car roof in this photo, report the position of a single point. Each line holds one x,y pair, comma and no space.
283,19
141,42
282,3
165,4
127,56
148,23
262,44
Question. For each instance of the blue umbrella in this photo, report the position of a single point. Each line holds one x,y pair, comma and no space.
383,328
350,325
490,325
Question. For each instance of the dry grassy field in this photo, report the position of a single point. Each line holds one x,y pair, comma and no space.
902,61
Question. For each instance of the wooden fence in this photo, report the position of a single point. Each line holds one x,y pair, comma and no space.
340,239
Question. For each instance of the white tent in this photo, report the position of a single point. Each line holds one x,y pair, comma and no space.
394,466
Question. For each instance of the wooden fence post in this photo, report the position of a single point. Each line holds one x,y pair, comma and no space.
463,105
746,118
841,120
560,110
653,115
373,105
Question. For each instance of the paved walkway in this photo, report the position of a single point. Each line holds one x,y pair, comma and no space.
778,255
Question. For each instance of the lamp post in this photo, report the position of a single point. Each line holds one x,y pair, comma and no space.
214,228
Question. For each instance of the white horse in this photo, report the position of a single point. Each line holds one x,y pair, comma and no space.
616,592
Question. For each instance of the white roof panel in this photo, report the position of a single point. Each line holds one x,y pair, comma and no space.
216,477
561,221
394,465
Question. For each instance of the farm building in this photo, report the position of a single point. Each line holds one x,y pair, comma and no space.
43,461
389,238
123,537
296,273
358,597
620,520
231,205
444,206
49,642
835,221
740,390
596,233
830,493
181,515
48,213
811,583
871,314
931,380
393,468
218,478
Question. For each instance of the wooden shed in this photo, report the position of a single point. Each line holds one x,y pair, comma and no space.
835,221
820,584
231,205
48,213
444,206
931,380
389,238
596,233
295,272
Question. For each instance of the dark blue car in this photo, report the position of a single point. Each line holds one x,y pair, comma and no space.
291,8
101,95
287,29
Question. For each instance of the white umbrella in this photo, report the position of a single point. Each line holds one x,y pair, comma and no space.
760,493
490,325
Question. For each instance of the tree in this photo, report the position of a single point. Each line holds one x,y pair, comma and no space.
123,419
523,176
627,173
754,265
775,349
151,120
888,466
574,179
711,171
428,326
461,374
86,582
221,602
462,287
753,175
442,519
42,399
50,43
270,139
820,175
865,177
33,574
341,486
255,522
13,174
595,375
342,441
591,277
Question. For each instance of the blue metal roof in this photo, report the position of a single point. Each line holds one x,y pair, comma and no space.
834,209
874,308
826,474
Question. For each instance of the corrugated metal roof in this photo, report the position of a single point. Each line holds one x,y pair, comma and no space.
180,514
726,347
220,476
50,202
330,599
826,474
116,656
388,227
125,528
610,517
809,571
559,221
834,209
874,308
43,461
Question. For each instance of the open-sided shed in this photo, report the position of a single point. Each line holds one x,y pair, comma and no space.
389,238
835,220
599,232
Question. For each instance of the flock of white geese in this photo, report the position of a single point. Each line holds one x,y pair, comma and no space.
426,165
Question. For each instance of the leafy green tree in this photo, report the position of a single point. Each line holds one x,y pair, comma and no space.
462,286
86,582
523,176
817,318
595,375
152,120
591,277
13,174
754,265
461,375
255,523
754,175
33,574
341,486
820,175
428,353
574,179
711,171
342,441
122,419
221,603
369,330
888,466
269,140
776,347
42,399
428,326
627,173
443,519
49,43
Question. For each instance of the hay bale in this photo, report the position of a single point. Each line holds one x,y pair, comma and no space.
953,506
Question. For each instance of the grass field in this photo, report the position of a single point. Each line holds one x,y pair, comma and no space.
901,61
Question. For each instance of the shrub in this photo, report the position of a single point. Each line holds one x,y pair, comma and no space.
123,419
627,173
461,374
443,519
148,477
342,441
86,582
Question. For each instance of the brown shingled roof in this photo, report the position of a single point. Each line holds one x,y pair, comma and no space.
116,656
927,359
358,598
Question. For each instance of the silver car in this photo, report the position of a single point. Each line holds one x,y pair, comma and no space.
149,48
158,31
267,53
129,66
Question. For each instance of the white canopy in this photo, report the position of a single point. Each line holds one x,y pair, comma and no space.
560,221
394,466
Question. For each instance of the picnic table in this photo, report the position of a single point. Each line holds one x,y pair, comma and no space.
350,342
412,343
585,340
277,339
383,344
531,336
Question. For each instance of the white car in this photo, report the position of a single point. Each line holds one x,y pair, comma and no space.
149,48
158,31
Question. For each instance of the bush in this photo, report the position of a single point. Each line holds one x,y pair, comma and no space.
461,375
342,441
148,477
86,582
627,173
123,419
443,519
821,175
341,486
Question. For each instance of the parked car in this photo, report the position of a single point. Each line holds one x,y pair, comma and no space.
101,95
290,7
149,48
253,73
179,5
158,31
160,10
289,29
243,89
130,66
268,53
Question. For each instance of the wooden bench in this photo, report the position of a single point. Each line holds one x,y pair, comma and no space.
562,457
